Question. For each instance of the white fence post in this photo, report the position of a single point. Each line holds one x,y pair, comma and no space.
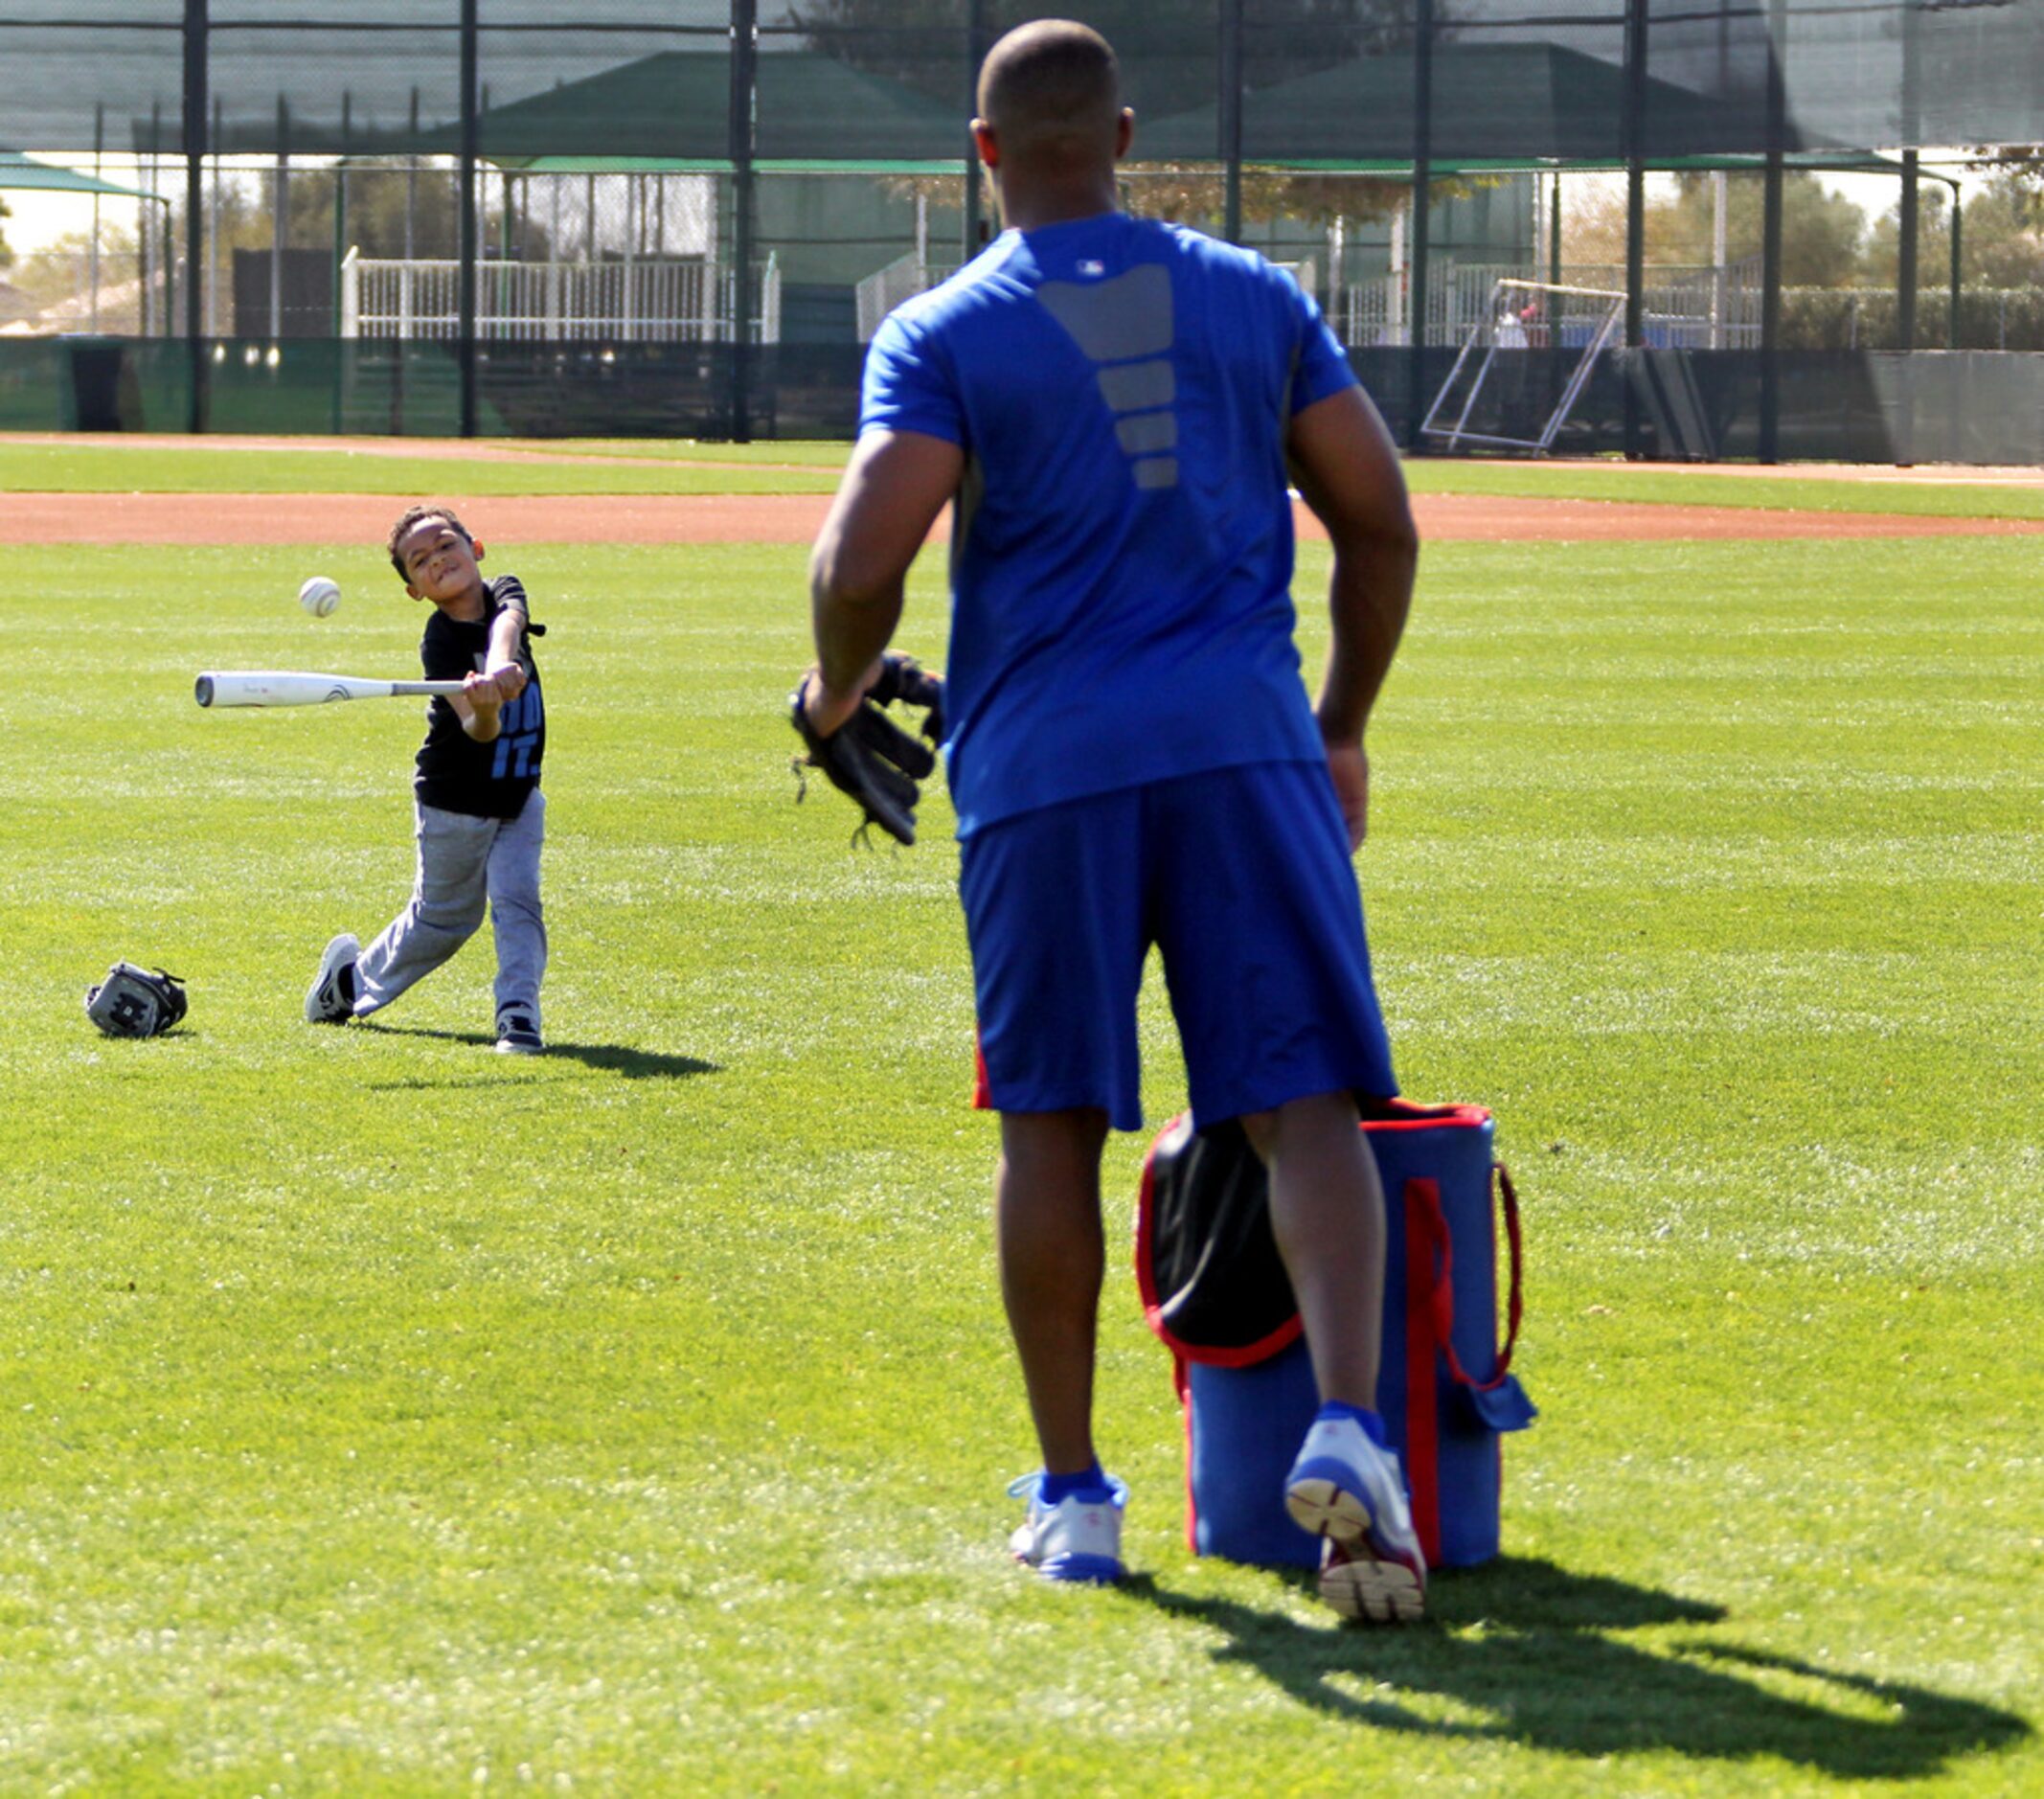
352,294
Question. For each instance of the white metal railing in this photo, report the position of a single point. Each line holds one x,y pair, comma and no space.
649,299
1686,307
880,293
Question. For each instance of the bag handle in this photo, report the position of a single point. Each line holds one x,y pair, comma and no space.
1422,1204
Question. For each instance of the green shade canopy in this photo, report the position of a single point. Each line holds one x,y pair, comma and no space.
17,170
1490,102
675,108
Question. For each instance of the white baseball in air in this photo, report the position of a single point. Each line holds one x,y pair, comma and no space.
319,596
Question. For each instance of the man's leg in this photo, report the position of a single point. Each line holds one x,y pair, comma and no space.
1048,1220
1053,1254
1327,1210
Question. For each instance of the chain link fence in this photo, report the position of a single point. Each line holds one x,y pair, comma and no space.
689,215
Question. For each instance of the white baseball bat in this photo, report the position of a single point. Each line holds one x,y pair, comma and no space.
276,687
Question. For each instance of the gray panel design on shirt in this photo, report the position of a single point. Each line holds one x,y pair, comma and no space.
1137,386
1147,431
1118,320
1126,324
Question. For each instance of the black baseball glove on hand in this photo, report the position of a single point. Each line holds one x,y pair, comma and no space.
869,755
133,1002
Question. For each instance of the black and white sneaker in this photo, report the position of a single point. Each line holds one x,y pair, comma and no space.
519,1033
331,997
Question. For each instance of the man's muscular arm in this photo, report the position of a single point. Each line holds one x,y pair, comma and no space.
893,490
1347,470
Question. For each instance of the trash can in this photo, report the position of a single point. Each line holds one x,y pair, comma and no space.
105,396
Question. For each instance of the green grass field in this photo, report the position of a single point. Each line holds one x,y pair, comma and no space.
384,1415
117,468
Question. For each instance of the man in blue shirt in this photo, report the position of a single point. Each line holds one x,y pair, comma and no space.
1113,407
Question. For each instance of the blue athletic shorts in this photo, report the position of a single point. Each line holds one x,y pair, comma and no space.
1243,878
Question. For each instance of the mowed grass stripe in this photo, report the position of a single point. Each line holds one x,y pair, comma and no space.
385,1419
111,468
654,465
1785,489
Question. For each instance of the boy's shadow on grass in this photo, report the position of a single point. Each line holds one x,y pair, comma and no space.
634,1064
1544,1672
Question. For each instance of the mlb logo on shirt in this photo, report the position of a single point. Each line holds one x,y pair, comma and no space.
1090,267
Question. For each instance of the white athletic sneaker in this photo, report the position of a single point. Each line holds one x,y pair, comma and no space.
1079,1538
331,997
1349,1493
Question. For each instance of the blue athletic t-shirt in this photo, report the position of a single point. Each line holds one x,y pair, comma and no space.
1122,543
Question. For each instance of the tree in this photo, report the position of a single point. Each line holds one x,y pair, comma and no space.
2001,235
7,250
2022,167
379,195
1821,231
57,277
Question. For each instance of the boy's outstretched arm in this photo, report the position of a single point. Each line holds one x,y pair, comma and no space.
893,488
507,638
483,696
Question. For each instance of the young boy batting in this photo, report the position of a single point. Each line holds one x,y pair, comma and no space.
480,815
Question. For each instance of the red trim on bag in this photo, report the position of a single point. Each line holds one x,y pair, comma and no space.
982,1086
1441,1300
1246,1357
1248,1354
1422,1446
1406,1116
1439,1295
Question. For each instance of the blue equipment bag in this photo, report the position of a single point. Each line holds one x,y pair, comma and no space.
1216,1293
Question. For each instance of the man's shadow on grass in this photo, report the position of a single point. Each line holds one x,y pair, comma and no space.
1544,1672
634,1064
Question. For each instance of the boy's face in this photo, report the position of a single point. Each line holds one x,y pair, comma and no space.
440,563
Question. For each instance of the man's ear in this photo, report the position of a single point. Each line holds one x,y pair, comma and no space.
987,143
413,591
475,548
1125,132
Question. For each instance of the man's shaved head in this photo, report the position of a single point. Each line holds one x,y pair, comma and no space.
1052,90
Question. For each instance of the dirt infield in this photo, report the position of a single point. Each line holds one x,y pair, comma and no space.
531,450
793,518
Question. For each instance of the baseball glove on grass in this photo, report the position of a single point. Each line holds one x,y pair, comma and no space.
133,1002
870,757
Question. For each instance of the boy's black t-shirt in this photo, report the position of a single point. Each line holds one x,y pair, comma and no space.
456,773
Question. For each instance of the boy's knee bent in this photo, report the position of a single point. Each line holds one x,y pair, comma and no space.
461,920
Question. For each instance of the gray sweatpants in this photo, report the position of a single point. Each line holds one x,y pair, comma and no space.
462,862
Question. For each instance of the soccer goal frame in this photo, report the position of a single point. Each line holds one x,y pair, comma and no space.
1523,315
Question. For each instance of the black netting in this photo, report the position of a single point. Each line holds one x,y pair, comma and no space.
83,87
680,225
861,81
